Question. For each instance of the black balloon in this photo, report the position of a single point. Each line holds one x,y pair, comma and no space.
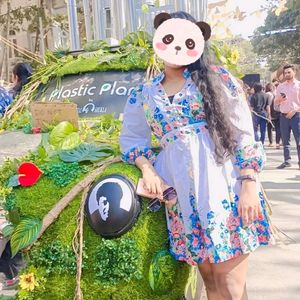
112,206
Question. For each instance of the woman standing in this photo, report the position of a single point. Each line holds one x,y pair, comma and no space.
20,76
275,116
209,156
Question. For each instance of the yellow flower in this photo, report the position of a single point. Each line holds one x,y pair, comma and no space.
235,56
28,282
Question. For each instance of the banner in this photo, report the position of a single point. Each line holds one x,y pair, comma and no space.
95,93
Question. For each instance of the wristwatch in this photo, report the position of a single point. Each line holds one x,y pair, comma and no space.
247,177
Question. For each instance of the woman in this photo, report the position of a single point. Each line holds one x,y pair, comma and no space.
20,76
275,117
209,156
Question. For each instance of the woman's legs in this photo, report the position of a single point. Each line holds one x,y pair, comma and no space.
230,278
206,272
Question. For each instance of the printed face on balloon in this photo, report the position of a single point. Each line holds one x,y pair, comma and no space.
179,41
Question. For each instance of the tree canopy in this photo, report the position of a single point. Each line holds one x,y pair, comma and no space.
277,42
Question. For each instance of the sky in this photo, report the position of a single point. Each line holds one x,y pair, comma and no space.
250,23
247,26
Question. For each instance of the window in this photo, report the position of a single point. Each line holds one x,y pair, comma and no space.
12,52
108,22
58,3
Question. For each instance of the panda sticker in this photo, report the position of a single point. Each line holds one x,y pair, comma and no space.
179,41
112,206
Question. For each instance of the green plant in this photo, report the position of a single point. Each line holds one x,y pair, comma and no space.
10,202
86,152
96,45
162,272
32,281
63,136
62,173
117,260
25,233
54,257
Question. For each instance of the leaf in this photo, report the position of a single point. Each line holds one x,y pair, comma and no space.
145,8
71,141
8,230
86,152
13,181
25,234
60,132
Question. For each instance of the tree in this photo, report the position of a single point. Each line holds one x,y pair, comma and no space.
277,42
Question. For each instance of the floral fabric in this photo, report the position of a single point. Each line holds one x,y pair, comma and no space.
204,223
5,101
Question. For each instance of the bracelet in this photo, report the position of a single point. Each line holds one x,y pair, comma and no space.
247,177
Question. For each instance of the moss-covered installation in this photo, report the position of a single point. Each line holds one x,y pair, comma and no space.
149,233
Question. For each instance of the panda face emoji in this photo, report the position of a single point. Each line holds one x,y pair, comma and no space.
178,41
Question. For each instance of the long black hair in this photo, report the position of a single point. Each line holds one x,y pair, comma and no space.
209,84
23,72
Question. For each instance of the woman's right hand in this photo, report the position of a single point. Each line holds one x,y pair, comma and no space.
153,183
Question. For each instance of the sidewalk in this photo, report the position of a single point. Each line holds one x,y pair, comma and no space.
274,271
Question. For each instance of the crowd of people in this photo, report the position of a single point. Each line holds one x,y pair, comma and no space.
276,107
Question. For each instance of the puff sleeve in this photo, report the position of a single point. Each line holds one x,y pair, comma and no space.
135,136
249,153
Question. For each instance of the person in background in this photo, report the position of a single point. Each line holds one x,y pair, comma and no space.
21,74
275,116
275,82
5,101
250,93
259,104
288,102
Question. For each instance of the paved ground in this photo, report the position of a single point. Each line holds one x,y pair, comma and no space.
274,271
15,144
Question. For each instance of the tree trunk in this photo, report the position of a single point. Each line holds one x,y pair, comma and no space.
5,48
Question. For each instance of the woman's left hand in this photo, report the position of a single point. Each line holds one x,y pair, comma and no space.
249,208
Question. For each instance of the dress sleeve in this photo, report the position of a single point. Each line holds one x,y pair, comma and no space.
135,136
249,154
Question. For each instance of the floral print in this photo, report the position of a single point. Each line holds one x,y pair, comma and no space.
131,155
5,101
251,156
204,222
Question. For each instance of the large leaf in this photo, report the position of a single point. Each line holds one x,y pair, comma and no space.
13,181
7,230
71,141
60,132
25,234
86,152
162,272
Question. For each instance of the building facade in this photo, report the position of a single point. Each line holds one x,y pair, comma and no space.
77,21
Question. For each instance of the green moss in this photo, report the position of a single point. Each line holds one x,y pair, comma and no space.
150,234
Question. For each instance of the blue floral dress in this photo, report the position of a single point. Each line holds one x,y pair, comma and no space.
204,223
5,100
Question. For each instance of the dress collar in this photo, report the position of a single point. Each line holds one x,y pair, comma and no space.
157,79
